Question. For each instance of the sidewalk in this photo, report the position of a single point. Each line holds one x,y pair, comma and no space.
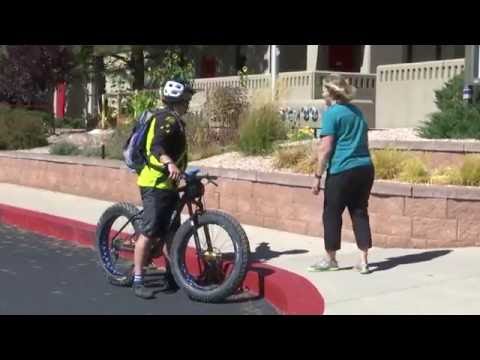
406,281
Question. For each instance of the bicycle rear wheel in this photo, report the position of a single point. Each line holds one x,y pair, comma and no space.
117,231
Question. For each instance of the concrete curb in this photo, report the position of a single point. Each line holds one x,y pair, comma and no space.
289,293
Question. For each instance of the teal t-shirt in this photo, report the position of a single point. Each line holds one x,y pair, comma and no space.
350,129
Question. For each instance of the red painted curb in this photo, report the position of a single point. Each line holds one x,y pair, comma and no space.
290,293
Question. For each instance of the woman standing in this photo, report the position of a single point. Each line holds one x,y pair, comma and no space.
345,155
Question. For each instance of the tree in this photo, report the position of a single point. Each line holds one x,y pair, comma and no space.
174,65
137,65
131,64
28,74
146,66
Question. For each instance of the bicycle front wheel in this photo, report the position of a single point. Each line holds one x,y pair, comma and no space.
212,266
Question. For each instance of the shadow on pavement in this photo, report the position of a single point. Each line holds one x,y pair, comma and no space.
263,252
156,280
408,259
244,296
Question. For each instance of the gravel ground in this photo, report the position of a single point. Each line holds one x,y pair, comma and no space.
235,160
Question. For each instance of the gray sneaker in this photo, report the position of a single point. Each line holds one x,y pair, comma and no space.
143,292
324,265
362,268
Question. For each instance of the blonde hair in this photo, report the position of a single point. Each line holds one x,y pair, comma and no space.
339,88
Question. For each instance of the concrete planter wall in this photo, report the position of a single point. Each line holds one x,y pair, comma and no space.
402,215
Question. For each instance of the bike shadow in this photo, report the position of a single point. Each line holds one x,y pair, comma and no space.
263,252
256,275
156,280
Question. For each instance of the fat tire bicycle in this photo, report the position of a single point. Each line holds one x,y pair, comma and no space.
206,271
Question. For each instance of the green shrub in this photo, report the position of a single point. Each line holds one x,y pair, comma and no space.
301,134
454,120
64,148
459,122
70,123
451,94
470,170
388,163
141,101
91,152
22,129
260,129
66,123
415,171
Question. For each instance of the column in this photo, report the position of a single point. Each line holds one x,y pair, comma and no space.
312,57
274,68
267,60
367,59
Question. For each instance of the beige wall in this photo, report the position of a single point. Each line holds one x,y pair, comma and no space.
387,54
405,92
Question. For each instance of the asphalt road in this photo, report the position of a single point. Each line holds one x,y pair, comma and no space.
45,276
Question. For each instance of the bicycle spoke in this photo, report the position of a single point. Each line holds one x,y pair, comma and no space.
210,268
118,241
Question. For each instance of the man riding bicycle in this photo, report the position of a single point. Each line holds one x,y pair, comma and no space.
166,148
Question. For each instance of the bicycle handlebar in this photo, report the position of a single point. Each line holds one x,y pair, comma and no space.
185,176
209,178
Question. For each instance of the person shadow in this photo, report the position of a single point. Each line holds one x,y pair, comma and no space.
263,252
393,262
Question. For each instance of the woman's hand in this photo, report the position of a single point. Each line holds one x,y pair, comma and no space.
316,187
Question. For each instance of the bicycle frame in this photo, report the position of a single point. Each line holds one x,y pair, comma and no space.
184,200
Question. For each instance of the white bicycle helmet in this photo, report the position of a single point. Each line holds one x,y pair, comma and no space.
175,91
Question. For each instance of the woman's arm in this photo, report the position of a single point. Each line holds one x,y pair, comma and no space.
324,154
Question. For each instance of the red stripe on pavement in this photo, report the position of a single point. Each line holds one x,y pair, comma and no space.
290,293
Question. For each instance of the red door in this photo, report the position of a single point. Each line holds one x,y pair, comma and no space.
208,67
341,58
60,100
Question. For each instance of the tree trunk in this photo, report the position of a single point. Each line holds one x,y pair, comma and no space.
138,67
99,80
